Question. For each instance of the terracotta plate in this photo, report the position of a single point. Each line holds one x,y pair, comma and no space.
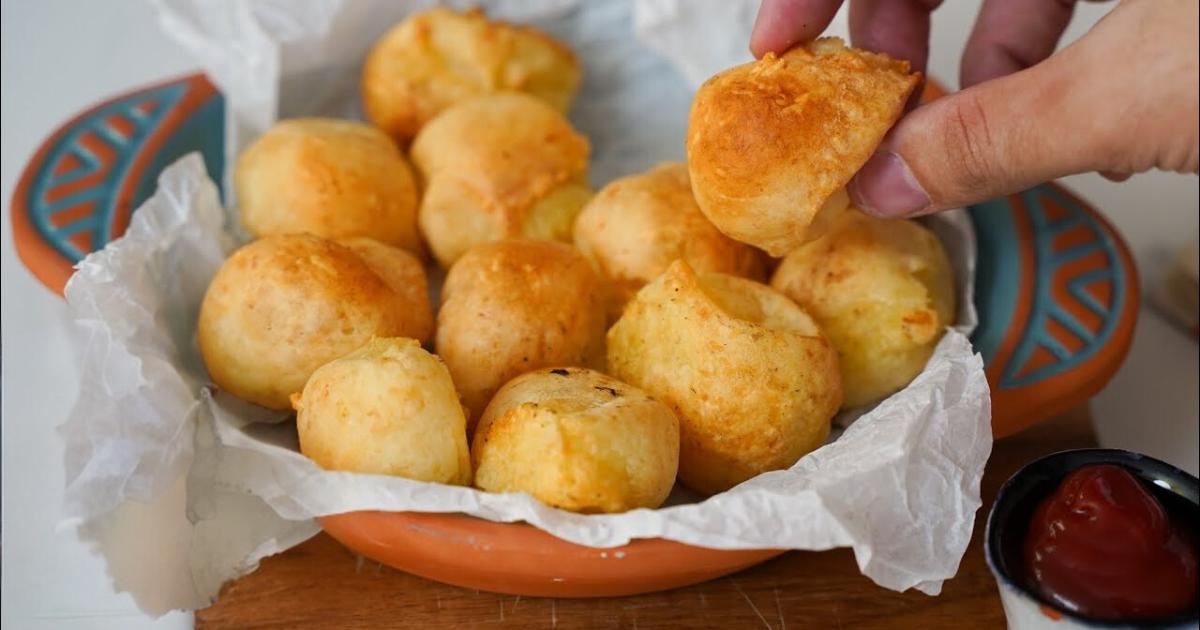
1056,290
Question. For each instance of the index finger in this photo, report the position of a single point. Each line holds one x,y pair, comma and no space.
1012,35
782,24
899,28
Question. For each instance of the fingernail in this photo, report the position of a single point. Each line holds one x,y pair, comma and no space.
886,188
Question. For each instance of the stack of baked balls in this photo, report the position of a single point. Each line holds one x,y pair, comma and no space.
588,348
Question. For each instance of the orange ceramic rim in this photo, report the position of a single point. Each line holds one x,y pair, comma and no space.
519,559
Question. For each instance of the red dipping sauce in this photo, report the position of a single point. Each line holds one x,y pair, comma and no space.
1102,546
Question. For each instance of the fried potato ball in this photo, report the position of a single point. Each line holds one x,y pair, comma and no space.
638,225
439,57
329,178
771,144
883,293
405,274
515,306
578,440
388,408
496,167
285,305
748,373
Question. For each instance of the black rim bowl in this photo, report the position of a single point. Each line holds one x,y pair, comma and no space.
1012,510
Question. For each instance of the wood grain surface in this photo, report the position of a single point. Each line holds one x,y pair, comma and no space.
319,584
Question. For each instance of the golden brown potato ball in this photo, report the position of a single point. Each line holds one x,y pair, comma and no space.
329,178
515,306
388,408
285,305
439,57
771,144
405,274
883,293
578,440
751,378
638,225
495,167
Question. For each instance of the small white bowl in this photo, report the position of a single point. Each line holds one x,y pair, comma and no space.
1012,510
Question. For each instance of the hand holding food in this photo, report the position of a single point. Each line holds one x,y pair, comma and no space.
515,306
282,306
330,178
750,376
771,144
439,57
1027,114
388,408
577,440
636,226
496,167
881,291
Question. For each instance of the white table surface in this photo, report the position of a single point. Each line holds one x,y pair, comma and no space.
61,55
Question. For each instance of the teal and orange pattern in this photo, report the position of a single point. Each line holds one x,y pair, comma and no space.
79,189
1058,296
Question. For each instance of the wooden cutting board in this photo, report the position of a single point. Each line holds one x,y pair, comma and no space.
321,585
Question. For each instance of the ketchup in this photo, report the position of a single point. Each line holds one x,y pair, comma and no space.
1103,546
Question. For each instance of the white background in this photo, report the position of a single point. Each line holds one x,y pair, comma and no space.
60,56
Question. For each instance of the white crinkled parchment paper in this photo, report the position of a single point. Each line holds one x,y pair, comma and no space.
182,490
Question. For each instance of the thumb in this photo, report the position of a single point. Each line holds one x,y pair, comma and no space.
989,140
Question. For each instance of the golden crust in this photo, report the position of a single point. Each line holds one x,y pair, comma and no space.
772,143
499,166
329,178
578,440
514,306
751,378
882,291
282,306
405,274
388,408
636,226
439,57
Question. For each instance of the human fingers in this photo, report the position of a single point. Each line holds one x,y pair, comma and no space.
899,28
781,24
985,141
1116,101
1012,35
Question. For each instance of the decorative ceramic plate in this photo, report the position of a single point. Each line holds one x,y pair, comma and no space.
1055,287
